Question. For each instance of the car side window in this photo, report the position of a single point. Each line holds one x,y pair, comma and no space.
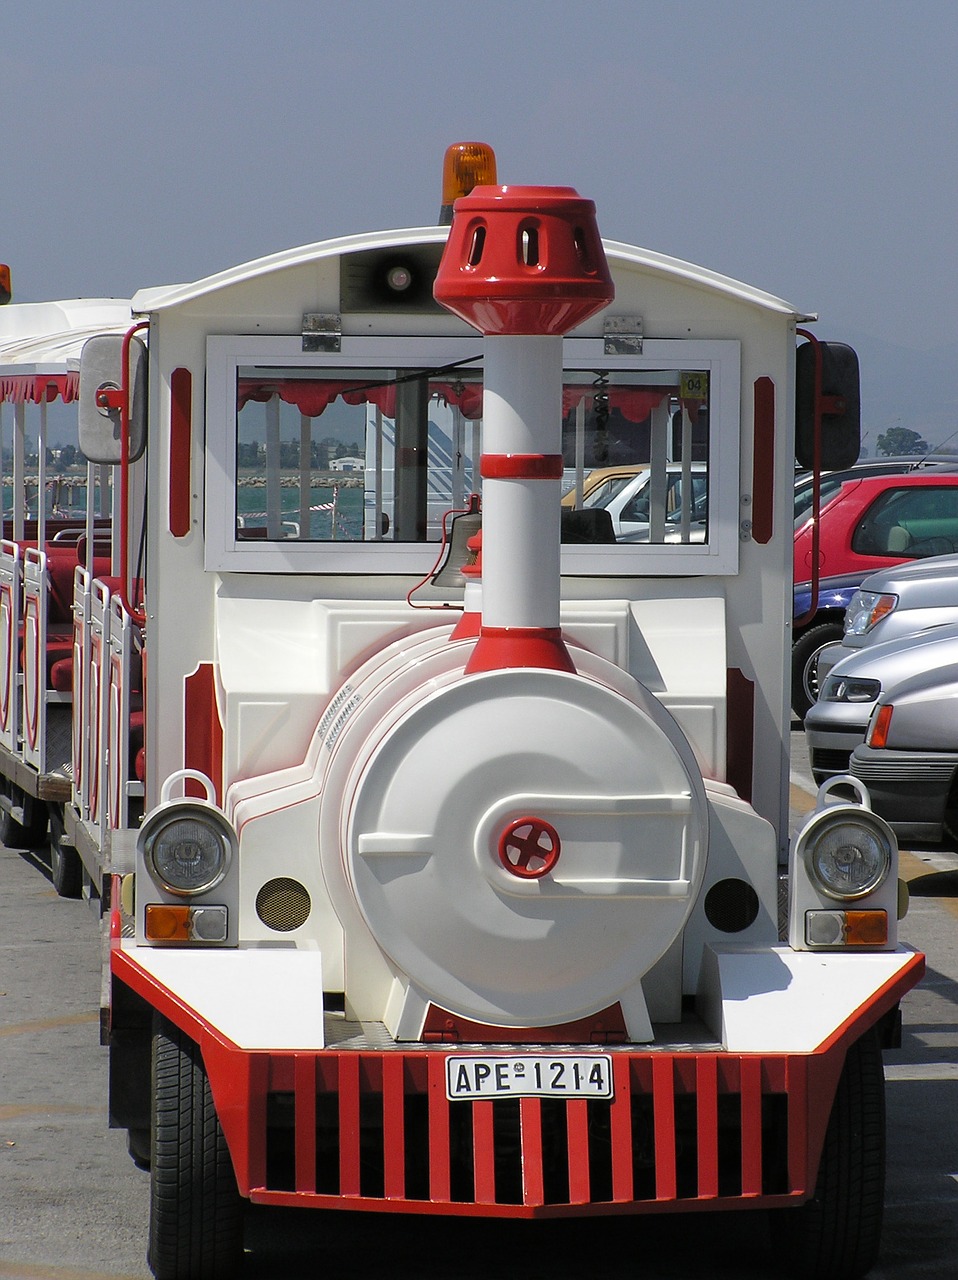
913,522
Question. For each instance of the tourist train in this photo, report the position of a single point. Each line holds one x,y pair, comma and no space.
440,835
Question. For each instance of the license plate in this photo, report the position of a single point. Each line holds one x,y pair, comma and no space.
529,1076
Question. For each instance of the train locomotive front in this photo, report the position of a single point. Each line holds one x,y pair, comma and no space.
470,908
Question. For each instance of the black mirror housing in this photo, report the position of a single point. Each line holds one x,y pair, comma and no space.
840,405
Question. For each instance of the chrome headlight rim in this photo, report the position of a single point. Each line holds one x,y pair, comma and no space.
158,823
824,822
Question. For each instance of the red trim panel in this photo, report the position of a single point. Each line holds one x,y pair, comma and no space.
521,466
181,451
763,459
740,731
373,1129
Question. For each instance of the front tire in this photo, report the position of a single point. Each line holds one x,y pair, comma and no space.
196,1221
836,1235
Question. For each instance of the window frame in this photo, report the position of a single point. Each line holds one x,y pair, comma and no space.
223,552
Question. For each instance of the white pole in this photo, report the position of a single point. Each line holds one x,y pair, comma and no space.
579,451
42,476
305,474
19,476
274,496
522,408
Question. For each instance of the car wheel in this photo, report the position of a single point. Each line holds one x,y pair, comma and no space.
196,1215
836,1235
805,653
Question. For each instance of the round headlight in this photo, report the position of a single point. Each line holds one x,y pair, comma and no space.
848,856
188,851
850,689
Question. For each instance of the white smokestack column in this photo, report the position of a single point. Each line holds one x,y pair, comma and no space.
524,265
522,470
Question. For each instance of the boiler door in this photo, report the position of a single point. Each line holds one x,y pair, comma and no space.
524,844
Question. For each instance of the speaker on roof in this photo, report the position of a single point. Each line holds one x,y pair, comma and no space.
397,279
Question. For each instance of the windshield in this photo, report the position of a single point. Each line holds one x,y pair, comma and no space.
383,454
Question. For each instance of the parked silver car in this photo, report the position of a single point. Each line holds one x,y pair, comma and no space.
894,602
909,760
836,724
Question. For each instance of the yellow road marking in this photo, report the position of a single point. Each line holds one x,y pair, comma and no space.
48,1024
799,799
14,1111
11,1270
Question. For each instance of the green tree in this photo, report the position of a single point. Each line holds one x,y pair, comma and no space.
898,442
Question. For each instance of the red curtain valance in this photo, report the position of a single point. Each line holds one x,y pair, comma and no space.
465,396
634,403
312,396
37,388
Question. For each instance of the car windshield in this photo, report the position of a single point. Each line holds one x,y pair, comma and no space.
604,492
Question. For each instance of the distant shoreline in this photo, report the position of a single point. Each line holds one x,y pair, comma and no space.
288,479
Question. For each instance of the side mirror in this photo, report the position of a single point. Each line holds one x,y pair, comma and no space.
840,405
98,410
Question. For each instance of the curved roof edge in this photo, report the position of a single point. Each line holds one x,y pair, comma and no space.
701,276
162,298
159,299
52,333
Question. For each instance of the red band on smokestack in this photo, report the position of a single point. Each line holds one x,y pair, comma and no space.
521,466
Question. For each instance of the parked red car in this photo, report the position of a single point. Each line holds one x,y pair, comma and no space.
870,523
882,520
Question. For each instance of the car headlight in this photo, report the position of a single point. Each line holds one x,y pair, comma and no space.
188,847
865,609
849,689
848,852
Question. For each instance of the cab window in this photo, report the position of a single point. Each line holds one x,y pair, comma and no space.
382,454
348,462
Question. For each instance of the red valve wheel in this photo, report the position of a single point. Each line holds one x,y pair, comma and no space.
529,848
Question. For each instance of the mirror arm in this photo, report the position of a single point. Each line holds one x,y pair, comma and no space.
123,396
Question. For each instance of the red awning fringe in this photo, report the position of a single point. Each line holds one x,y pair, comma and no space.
37,388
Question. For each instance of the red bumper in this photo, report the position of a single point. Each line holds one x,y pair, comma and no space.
364,1128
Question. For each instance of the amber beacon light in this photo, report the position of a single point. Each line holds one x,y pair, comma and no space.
466,165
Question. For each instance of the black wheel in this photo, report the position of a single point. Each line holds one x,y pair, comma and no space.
29,834
196,1218
66,869
805,653
836,1235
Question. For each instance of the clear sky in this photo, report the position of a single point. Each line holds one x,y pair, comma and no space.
808,148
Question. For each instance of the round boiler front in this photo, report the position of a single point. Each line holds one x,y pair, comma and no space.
522,844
